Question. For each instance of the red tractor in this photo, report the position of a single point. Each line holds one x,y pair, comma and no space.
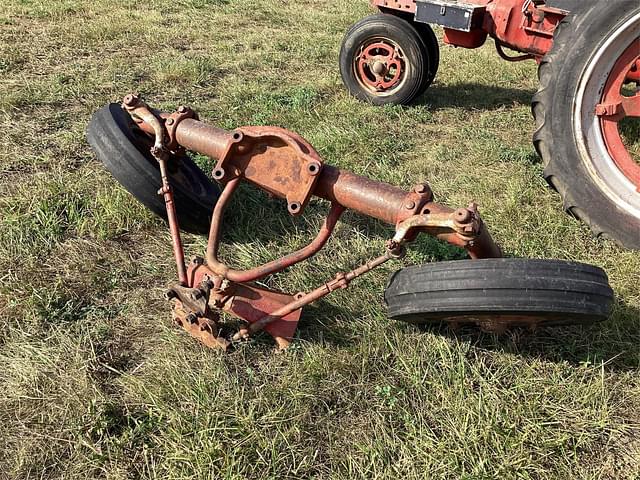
587,108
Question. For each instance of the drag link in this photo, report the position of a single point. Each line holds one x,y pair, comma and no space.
172,218
341,281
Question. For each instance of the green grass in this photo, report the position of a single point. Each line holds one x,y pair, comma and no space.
96,383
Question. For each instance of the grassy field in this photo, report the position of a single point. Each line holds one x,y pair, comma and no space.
96,383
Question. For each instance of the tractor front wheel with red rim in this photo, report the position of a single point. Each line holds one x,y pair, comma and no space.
384,60
588,117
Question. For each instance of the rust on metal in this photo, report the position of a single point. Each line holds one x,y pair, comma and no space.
340,281
372,198
138,109
172,218
285,165
173,121
401,5
272,267
251,303
247,302
205,329
274,159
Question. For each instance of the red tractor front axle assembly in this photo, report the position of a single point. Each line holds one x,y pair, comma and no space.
286,166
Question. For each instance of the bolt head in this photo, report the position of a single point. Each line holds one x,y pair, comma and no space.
420,188
313,168
131,99
170,121
378,68
410,205
182,109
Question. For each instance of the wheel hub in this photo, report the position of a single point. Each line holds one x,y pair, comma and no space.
616,106
380,67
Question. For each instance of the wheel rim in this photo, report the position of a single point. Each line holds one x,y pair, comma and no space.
615,107
380,66
602,104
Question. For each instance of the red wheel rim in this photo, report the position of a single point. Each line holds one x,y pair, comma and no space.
380,66
614,107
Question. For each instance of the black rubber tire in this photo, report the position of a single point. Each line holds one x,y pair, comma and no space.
577,40
570,5
499,293
400,31
432,47
124,151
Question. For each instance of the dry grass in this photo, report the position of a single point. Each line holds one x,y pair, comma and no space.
96,383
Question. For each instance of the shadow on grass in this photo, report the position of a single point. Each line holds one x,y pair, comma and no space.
253,217
614,343
474,96
323,322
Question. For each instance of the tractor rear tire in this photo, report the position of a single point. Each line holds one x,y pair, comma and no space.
569,136
125,151
499,293
570,5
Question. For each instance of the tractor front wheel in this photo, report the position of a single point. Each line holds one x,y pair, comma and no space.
496,294
587,113
384,60
125,151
